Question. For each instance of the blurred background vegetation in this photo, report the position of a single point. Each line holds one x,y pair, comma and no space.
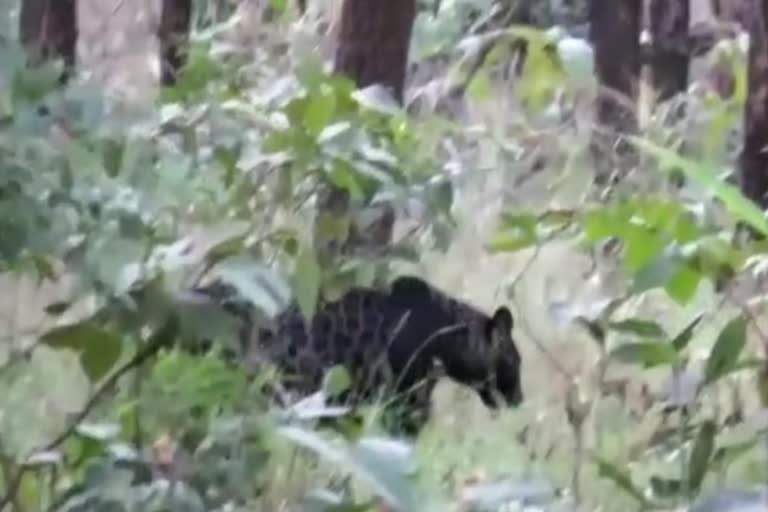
596,165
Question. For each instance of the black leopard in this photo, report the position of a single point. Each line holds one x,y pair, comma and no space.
394,343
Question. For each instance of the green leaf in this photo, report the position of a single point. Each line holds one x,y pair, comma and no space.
684,337
641,328
518,231
701,455
600,224
101,356
641,246
619,477
510,242
725,353
682,284
278,6
519,221
541,75
306,281
262,287
381,463
647,353
735,202
99,348
343,176
319,111
311,74
336,381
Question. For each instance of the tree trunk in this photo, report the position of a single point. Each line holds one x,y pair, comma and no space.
373,41
669,20
48,30
754,159
615,37
374,37
173,36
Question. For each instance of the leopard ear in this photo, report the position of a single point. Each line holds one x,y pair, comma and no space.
501,322
410,289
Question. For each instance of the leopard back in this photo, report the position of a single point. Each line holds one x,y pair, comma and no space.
389,342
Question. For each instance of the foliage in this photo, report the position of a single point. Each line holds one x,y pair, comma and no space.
221,182
235,156
675,243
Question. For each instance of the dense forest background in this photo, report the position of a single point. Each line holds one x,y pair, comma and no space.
598,166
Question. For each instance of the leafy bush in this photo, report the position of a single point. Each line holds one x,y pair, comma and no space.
135,212
221,181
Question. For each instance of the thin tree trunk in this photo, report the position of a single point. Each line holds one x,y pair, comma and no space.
373,41
173,35
615,36
374,38
48,30
754,158
669,20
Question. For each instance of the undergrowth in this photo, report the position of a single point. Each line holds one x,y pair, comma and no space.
639,316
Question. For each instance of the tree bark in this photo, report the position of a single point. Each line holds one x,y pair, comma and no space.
669,20
374,37
48,30
615,37
373,41
754,158
173,36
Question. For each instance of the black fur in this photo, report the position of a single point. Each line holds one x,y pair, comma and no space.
389,341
